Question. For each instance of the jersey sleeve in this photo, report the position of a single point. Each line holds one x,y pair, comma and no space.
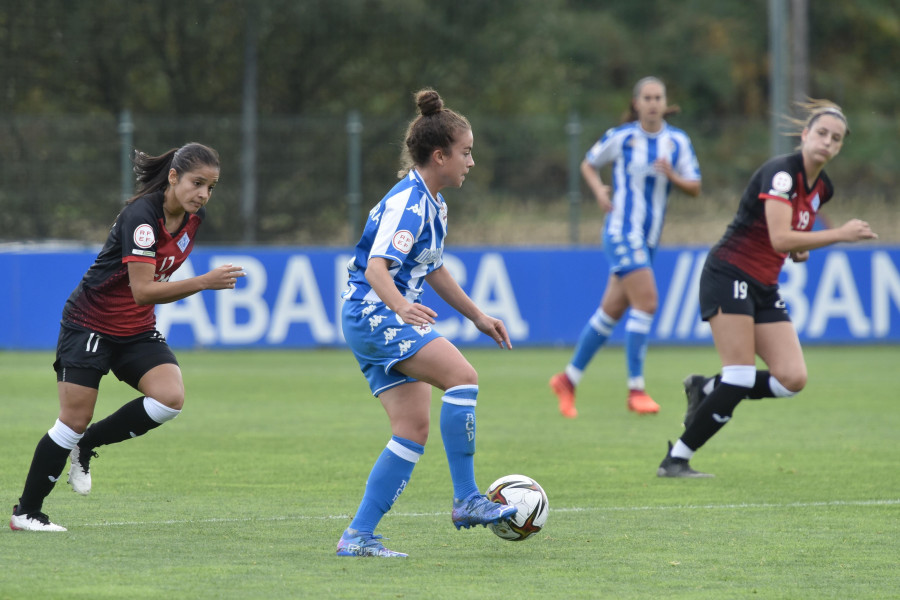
139,232
399,226
605,150
688,167
776,182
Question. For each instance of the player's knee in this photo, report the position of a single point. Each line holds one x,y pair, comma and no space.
792,381
173,399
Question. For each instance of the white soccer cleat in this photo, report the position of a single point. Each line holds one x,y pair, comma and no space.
32,522
80,470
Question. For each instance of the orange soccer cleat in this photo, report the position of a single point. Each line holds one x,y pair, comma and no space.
565,391
641,403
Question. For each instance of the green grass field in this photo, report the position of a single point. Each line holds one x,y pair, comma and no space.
246,493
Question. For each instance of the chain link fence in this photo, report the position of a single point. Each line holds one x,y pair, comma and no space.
62,176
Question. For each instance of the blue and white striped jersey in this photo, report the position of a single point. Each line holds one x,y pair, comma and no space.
640,193
407,227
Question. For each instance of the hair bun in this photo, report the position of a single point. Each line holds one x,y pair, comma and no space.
429,102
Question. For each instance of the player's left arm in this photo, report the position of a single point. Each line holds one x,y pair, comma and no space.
146,290
443,283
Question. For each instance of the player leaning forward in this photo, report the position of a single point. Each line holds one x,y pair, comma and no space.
108,323
739,294
390,330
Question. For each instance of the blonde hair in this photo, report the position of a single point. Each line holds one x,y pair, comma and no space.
812,109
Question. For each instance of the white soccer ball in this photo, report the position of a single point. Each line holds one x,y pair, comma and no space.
528,496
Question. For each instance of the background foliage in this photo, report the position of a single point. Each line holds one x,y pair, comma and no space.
517,69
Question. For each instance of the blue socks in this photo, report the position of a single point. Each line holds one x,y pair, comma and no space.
458,433
593,336
637,330
387,480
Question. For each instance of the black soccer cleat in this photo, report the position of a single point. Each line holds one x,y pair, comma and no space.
693,389
678,467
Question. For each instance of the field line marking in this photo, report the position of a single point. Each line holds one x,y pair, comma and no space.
666,507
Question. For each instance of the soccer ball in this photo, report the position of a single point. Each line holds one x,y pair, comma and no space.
528,496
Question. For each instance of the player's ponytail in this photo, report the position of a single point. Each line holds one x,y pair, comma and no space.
152,172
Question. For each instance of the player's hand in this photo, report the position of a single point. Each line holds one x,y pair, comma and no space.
856,230
224,277
416,314
664,167
495,329
800,256
603,198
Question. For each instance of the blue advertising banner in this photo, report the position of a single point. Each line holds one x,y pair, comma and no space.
291,296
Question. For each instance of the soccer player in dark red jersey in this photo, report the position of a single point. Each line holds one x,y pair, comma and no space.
739,285
109,323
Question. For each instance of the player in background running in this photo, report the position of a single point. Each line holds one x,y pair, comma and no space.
108,323
739,294
649,158
390,331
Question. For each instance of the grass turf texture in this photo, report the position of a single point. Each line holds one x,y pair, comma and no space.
246,493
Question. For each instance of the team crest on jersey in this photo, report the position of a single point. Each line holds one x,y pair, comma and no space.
403,241
782,183
183,241
144,236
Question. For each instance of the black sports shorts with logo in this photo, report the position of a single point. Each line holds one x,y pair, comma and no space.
83,356
727,288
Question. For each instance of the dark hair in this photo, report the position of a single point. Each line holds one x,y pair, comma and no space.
632,115
433,128
152,172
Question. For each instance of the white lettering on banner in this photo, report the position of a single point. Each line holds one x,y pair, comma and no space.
341,277
836,297
190,311
300,277
246,297
792,289
885,288
492,291
682,301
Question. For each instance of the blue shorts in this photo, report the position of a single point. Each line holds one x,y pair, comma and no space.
626,255
379,340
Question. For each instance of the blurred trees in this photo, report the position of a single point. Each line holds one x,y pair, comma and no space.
517,68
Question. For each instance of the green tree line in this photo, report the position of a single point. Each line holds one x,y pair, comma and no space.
517,68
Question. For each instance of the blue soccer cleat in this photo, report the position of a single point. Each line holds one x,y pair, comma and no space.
354,543
478,510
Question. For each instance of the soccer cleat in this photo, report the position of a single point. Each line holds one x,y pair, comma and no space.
36,521
353,543
478,510
80,470
678,467
641,403
693,389
565,391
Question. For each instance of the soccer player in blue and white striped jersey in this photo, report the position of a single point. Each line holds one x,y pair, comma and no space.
390,330
649,157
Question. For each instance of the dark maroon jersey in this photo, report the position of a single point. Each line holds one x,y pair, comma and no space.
103,301
746,243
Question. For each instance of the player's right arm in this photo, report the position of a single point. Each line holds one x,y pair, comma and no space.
146,290
379,277
600,190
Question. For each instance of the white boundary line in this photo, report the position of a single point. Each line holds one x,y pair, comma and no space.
595,509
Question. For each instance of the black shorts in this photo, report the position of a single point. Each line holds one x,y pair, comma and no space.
83,356
730,290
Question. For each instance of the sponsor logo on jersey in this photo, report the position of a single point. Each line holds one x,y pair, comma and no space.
403,241
816,202
148,253
429,256
183,241
143,236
